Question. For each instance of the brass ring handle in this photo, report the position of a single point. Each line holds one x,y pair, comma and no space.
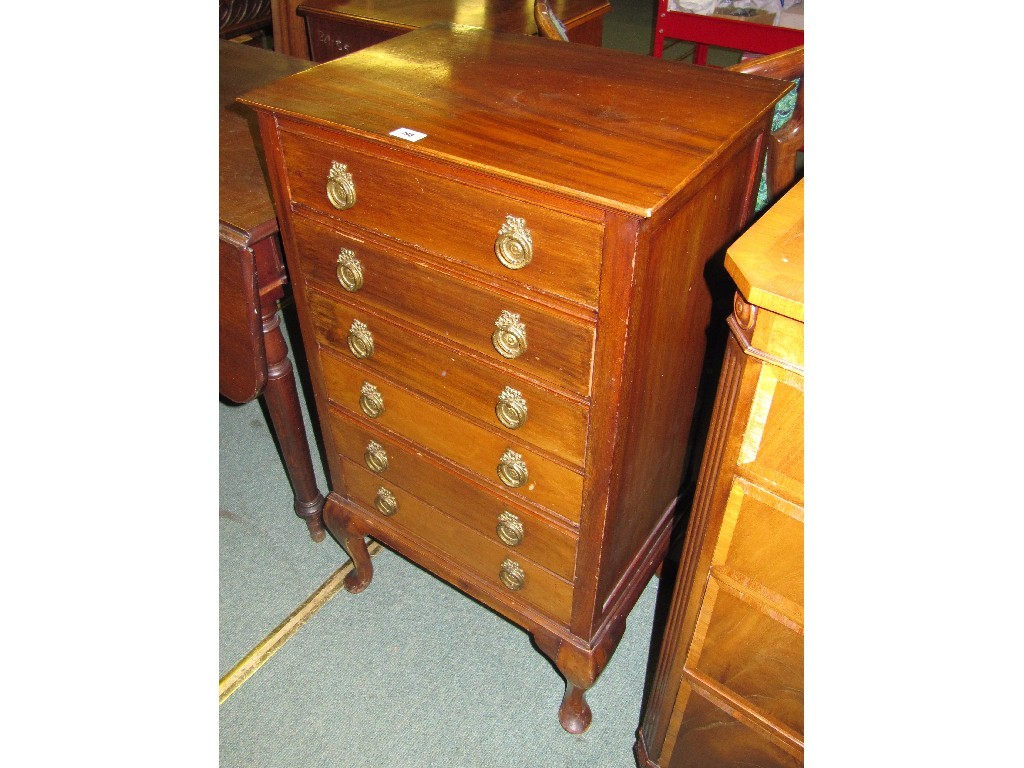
341,188
509,338
512,575
360,340
385,502
511,408
514,244
371,400
349,270
510,529
512,469
376,457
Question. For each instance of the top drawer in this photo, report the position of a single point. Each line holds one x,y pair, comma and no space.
546,251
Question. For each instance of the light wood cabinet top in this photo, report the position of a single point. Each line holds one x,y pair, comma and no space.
767,261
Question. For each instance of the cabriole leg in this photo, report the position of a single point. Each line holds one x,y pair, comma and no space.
580,668
341,525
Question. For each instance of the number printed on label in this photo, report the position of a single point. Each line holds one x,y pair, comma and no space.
408,134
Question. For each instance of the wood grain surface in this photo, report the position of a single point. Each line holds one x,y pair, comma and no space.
502,102
559,349
554,486
464,382
515,16
548,541
245,203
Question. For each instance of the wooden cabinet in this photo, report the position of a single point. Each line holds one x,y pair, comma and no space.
498,252
340,27
728,689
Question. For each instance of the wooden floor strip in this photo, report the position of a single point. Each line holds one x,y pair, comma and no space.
273,642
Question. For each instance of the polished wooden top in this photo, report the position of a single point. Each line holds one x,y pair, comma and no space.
767,261
498,15
246,211
605,126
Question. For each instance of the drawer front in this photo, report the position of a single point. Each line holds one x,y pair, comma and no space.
539,540
491,456
550,422
557,349
754,655
331,38
466,547
450,219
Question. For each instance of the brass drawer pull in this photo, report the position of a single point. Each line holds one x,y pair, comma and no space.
360,340
350,271
511,408
510,528
376,457
371,400
510,337
512,469
512,575
341,189
385,502
514,244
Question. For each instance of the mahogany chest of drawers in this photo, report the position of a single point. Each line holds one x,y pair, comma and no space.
498,245
728,688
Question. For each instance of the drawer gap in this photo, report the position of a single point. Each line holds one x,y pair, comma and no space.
451,267
465,475
453,347
454,521
375,375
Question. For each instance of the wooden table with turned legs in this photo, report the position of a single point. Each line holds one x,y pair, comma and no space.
253,353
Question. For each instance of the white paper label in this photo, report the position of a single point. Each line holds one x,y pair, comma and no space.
408,134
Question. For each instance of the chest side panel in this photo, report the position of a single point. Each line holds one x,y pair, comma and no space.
672,308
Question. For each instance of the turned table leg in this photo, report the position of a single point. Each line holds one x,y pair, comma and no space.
281,393
254,360
351,538
282,399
